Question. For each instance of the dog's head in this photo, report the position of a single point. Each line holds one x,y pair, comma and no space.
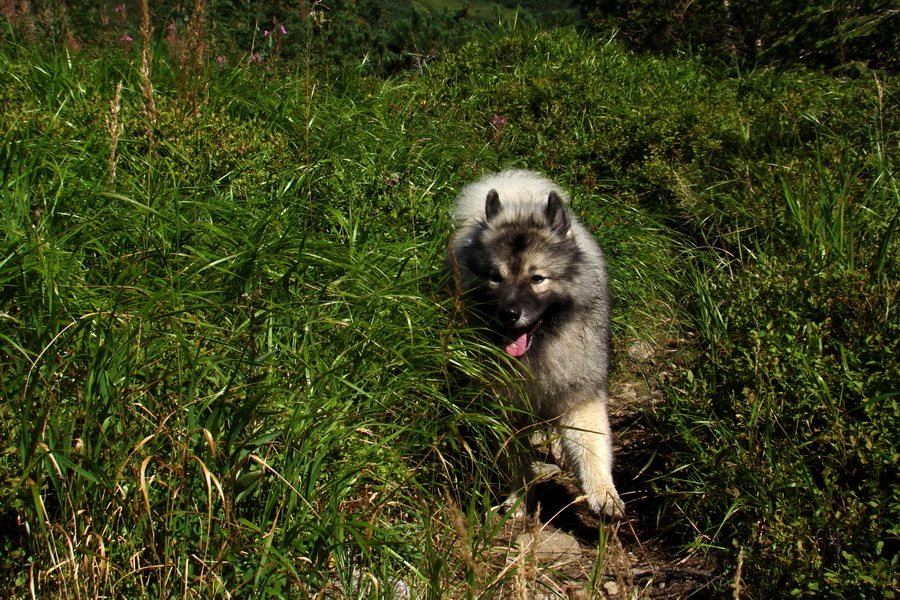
519,266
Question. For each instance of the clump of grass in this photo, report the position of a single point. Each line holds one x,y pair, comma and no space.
145,71
115,127
211,396
189,52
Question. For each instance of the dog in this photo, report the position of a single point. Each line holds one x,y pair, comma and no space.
536,281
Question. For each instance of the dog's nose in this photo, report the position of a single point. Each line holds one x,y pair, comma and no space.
508,314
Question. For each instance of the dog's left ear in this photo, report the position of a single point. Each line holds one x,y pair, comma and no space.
492,206
556,215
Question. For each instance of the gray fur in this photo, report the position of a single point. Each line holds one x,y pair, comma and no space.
537,279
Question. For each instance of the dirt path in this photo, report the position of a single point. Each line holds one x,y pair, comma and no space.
557,553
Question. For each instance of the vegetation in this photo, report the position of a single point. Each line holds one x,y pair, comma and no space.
834,34
228,366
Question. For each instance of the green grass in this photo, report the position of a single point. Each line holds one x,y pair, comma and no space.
236,373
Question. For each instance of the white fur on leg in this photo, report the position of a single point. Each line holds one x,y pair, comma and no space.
587,449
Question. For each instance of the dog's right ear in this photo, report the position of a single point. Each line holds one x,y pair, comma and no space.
492,206
556,214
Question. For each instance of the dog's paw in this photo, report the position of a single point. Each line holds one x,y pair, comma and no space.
607,502
514,507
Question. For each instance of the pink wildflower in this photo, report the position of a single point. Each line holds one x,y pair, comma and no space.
498,123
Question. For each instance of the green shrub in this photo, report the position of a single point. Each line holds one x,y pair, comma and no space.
784,421
747,33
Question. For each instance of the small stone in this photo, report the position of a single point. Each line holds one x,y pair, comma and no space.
628,393
550,547
576,594
640,351
612,588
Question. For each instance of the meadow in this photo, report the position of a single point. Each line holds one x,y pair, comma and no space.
229,366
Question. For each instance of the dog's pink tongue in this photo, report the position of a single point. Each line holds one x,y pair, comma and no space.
518,346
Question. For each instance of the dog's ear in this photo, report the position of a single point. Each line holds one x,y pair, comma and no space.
492,206
556,215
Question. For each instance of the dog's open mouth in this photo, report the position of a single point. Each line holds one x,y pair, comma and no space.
521,341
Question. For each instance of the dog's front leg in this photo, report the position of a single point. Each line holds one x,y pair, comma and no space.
587,448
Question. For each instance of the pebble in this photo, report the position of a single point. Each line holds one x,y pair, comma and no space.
551,547
640,351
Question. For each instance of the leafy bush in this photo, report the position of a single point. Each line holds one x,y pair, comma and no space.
782,419
826,33
783,426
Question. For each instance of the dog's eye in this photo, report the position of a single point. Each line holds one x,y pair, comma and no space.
496,278
536,279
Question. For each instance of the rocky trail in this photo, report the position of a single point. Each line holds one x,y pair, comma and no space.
557,551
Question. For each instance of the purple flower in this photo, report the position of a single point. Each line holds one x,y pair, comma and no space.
266,32
126,38
170,27
256,58
120,8
221,60
499,124
283,30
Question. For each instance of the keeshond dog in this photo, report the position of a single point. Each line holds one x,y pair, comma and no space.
535,279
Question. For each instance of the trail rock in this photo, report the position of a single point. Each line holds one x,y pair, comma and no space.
640,351
549,547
